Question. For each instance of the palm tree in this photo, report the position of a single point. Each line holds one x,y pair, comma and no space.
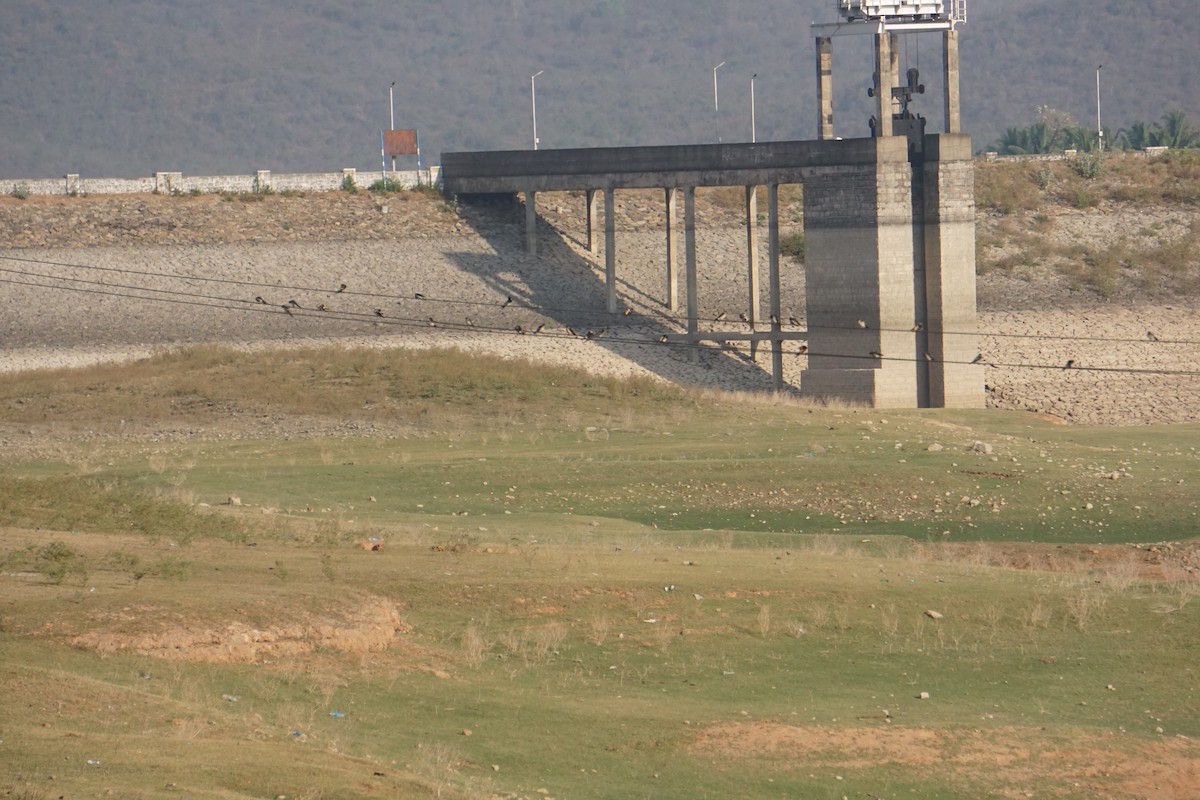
1175,131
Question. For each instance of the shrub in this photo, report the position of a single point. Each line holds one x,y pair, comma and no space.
1089,165
58,560
793,246
349,184
20,191
386,185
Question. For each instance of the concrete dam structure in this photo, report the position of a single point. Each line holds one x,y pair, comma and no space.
889,226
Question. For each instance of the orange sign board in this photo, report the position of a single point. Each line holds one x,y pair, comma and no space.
400,143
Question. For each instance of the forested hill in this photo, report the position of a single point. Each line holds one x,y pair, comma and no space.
127,87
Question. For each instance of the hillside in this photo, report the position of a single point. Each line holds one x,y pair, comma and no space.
134,86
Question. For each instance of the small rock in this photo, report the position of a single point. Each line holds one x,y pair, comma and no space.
923,696
933,614
935,448
981,448
467,732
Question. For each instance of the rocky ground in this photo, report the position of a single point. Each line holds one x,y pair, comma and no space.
101,278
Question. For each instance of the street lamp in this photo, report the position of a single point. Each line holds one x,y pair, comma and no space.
753,129
716,100
533,102
392,116
1099,130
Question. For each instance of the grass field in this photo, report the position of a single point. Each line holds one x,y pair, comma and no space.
406,575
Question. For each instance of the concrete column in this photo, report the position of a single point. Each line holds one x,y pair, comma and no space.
885,79
752,261
531,223
950,57
593,201
825,87
858,228
610,249
950,321
672,249
774,288
689,237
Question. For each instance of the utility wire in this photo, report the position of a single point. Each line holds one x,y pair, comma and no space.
378,317
518,304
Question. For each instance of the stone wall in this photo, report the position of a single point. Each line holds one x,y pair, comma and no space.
178,183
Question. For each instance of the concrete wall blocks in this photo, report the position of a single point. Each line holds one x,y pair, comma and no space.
177,183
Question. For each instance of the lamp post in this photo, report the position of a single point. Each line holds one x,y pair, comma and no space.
716,100
1099,130
533,103
753,128
392,115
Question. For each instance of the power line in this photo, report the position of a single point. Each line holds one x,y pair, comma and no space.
378,317
518,304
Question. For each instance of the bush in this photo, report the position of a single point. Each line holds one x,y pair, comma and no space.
793,246
58,560
20,191
1089,165
386,185
349,184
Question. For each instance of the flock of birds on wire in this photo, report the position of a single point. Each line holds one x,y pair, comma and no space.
293,308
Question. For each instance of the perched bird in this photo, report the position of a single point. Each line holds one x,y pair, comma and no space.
793,321
293,304
507,302
1150,335
571,331
743,317
287,309
719,317
774,319
917,328
321,307
862,323
876,354
803,351
662,339
928,357
627,312
1070,363
379,312
431,322
589,334
540,327
341,289
418,296
519,330
470,322
258,299
977,359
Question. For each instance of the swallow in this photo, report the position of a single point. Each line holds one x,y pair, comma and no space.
379,312
1070,363
793,321
862,323
470,322
571,331
774,319
293,304
803,351
589,335
507,302
1150,335
977,359
519,330
719,317
627,312
418,296
539,328
258,299
321,307
917,328
662,339
431,322
743,317
287,309
341,289
876,354
928,357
